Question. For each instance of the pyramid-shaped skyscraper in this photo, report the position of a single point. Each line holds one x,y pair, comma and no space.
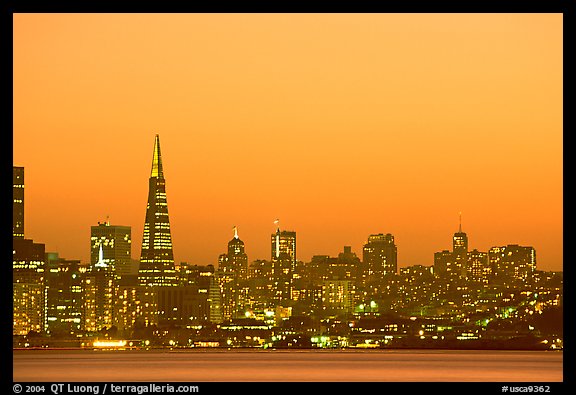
157,258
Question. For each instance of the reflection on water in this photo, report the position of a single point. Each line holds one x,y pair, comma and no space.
280,365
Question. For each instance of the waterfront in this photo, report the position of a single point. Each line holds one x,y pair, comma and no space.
283,365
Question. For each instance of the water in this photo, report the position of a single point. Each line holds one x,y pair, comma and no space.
284,365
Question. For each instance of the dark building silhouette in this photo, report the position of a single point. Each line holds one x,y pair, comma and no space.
157,259
18,202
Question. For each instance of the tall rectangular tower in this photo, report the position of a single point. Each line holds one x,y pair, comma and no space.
460,252
284,242
283,264
380,255
116,242
29,286
512,263
157,259
18,202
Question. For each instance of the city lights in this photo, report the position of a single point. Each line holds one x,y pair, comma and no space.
465,297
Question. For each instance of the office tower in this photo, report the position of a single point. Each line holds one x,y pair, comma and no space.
283,245
237,260
116,243
64,295
199,278
512,263
99,294
29,286
260,282
443,264
232,269
460,251
478,267
380,256
284,242
347,265
157,259
127,308
337,297
18,202
214,300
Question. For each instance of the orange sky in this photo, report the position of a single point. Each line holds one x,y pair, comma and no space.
340,125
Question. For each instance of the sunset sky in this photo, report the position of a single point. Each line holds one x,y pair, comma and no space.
340,125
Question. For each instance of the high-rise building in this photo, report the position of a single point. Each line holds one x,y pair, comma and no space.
443,262
157,259
116,243
337,297
380,256
64,295
29,286
232,269
460,251
478,267
512,263
100,295
214,300
283,244
128,307
18,202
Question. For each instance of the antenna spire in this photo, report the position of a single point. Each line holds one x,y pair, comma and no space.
460,227
235,232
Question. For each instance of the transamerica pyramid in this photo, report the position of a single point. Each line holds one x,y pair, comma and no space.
157,258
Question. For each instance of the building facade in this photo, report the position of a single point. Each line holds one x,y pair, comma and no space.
157,258
65,298
18,202
116,243
29,286
380,256
512,263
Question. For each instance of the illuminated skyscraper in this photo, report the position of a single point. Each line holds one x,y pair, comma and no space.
237,260
512,263
18,202
99,294
380,256
478,267
116,242
232,269
29,286
460,251
443,263
157,259
64,295
284,242
283,264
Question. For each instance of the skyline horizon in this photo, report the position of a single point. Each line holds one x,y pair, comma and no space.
340,125
276,222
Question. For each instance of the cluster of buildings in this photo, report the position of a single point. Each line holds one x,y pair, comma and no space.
327,302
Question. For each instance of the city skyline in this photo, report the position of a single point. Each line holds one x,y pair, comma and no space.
249,147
